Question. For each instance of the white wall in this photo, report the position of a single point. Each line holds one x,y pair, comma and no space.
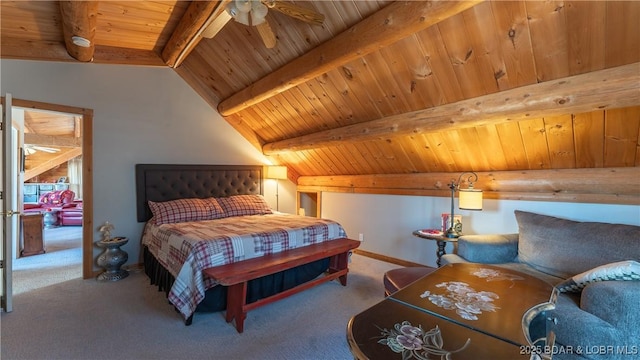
141,115
387,221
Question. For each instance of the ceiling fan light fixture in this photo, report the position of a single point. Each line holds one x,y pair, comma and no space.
258,13
239,16
80,41
232,10
243,5
247,12
243,18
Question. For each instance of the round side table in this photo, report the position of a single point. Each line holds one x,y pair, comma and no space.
440,240
112,258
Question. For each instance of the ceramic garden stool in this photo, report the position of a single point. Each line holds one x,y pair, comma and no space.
396,279
112,258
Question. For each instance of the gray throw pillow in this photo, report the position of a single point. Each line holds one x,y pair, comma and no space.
563,248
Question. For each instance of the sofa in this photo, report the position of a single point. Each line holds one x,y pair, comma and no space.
67,209
594,266
70,214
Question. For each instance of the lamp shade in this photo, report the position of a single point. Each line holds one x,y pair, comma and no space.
470,199
276,172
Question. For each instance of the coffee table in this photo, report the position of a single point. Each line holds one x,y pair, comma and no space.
470,311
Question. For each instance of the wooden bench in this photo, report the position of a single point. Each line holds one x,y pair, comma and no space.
236,275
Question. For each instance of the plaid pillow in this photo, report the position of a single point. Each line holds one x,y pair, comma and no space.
244,205
181,210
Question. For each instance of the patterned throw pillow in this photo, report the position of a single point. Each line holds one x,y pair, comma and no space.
622,270
244,205
57,197
182,210
66,196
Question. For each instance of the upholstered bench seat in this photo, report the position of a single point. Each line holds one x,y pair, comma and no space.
396,279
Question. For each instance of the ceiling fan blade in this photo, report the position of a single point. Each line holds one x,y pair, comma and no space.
307,15
46,149
216,25
267,35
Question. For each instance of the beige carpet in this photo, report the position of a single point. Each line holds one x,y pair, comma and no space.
62,261
130,319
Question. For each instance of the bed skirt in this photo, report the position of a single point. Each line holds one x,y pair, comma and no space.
216,297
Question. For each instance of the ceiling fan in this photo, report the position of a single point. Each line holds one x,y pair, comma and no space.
254,12
32,149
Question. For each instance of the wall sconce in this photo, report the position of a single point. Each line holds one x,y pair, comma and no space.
278,173
470,199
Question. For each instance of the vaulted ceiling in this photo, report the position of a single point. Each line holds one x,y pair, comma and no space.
383,87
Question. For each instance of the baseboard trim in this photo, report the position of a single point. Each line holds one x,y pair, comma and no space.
386,258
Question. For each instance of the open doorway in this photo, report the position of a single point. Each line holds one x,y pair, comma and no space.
50,190
56,184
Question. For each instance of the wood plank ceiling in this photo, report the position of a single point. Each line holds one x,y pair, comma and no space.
51,139
474,86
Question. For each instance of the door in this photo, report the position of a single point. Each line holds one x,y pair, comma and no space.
9,223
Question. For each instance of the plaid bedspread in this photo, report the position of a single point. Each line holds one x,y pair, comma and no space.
185,249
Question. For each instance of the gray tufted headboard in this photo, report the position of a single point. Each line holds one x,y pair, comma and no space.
160,182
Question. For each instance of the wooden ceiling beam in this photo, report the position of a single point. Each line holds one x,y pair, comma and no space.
593,185
54,51
51,140
34,50
77,127
125,56
187,34
394,22
52,162
604,89
79,19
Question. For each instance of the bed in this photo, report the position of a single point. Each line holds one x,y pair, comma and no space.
186,232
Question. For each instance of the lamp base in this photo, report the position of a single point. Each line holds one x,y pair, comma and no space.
452,234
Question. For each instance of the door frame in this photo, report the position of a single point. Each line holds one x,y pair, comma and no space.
8,210
87,174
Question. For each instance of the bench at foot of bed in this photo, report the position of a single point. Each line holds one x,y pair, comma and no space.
236,275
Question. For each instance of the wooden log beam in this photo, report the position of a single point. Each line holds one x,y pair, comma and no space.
79,19
595,185
51,140
605,89
394,22
54,51
34,50
186,36
77,127
125,56
54,161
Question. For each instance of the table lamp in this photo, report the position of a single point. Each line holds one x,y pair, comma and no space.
470,199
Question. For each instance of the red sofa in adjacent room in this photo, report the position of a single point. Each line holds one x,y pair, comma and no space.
71,214
68,211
